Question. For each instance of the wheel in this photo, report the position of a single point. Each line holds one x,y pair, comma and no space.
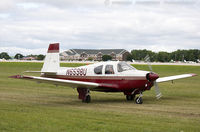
138,100
87,99
130,97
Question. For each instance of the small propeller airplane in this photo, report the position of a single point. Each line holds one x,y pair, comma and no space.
110,76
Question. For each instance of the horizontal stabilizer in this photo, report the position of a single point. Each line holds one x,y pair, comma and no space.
39,72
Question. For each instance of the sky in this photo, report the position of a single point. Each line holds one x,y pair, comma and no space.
28,26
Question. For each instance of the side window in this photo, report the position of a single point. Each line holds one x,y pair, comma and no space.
109,69
98,69
119,67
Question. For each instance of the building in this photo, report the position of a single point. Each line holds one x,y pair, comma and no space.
29,58
94,54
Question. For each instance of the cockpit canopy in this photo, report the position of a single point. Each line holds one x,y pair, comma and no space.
109,68
123,66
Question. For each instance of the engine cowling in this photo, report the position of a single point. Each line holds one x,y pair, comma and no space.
152,76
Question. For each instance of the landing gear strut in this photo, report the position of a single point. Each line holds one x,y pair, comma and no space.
84,94
139,100
130,95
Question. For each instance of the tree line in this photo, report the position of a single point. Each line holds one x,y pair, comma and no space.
4,55
178,55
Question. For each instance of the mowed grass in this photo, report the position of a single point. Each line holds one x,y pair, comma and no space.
27,106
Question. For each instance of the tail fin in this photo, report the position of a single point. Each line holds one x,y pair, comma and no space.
52,61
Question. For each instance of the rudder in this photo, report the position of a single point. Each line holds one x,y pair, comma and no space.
52,60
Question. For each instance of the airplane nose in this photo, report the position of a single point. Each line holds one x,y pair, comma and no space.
152,76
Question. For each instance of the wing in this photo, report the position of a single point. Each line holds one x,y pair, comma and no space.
170,78
70,83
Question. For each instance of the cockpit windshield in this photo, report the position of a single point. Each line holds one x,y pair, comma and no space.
122,66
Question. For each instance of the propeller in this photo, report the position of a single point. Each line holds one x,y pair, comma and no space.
152,77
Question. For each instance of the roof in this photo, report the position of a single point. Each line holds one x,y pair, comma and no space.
70,52
95,51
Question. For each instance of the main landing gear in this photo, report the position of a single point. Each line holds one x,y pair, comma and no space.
84,95
138,100
87,99
130,97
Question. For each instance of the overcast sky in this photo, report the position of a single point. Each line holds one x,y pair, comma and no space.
28,26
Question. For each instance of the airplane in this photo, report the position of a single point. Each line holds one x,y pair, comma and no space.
109,76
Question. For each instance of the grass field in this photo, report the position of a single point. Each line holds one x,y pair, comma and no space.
26,106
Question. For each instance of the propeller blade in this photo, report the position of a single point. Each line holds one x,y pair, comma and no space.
157,90
147,59
150,67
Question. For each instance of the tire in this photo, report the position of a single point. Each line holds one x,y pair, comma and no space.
130,97
138,100
87,99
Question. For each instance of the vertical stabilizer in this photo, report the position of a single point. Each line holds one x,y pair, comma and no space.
52,60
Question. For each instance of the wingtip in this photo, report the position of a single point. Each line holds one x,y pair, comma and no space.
16,76
21,77
193,74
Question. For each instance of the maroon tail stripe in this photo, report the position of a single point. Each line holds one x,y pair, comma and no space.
53,48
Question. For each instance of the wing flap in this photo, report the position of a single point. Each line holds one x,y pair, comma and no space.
170,78
70,83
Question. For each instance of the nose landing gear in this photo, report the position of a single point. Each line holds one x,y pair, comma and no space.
138,100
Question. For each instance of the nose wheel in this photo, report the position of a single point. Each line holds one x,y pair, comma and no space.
138,100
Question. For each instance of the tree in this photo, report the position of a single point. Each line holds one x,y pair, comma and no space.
18,56
163,57
31,55
90,58
106,57
141,54
40,57
129,57
188,55
5,56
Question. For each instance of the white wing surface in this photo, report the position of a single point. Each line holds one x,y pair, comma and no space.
170,78
70,83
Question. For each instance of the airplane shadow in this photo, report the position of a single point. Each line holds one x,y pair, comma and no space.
77,102
95,101
73,101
